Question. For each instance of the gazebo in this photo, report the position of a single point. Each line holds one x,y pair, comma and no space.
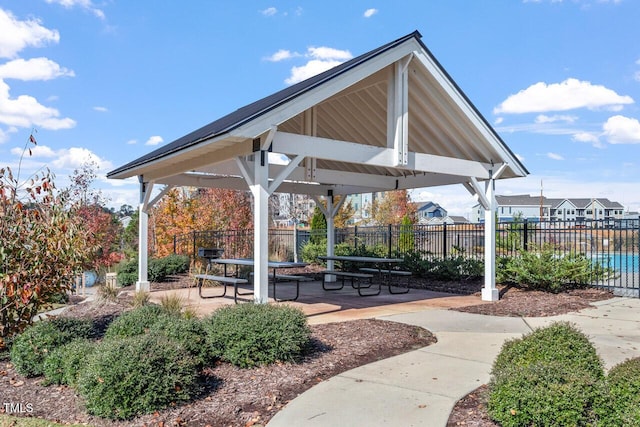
389,119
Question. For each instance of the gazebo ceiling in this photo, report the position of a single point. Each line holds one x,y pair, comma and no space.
349,124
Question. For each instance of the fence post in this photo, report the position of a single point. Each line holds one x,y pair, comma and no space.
174,244
525,239
195,252
355,237
444,240
389,229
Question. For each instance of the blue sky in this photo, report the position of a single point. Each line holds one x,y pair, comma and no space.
110,80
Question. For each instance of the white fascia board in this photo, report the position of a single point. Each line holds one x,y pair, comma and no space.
351,152
323,91
187,160
477,121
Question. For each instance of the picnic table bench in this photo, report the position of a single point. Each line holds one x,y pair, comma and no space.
224,280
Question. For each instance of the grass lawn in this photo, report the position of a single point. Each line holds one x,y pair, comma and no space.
10,421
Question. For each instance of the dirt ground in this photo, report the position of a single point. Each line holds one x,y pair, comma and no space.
250,397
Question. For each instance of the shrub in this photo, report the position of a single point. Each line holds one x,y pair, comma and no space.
127,272
622,408
176,264
136,375
64,363
544,269
551,376
135,322
311,251
249,335
157,270
190,333
30,349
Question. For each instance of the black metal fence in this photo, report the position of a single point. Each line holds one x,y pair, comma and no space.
614,244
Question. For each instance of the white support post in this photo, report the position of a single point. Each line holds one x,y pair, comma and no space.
260,191
398,112
142,285
331,241
490,292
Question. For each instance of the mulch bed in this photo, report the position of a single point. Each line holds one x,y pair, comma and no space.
247,397
233,396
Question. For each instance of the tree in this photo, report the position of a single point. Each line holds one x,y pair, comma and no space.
318,226
407,236
104,229
126,210
392,208
44,246
344,216
184,210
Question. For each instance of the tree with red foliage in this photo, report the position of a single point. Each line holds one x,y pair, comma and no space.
392,208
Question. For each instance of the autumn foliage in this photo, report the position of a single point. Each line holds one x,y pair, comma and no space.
186,210
44,246
392,207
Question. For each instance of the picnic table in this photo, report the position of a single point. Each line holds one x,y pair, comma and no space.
381,267
275,278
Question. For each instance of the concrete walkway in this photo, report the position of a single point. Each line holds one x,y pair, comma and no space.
421,387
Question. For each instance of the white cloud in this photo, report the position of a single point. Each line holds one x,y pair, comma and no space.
498,120
519,157
567,95
329,53
38,151
33,69
132,141
557,118
154,140
16,34
270,11
101,109
75,157
65,159
310,69
84,4
322,59
25,111
622,130
589,137
555,156
282,55
370,12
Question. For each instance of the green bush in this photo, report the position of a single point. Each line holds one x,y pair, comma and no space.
190,333
125,377
622,408
127,272
64,363
311,251
176,264
135,322
250,335
157,270
549,377
30,349
544,269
